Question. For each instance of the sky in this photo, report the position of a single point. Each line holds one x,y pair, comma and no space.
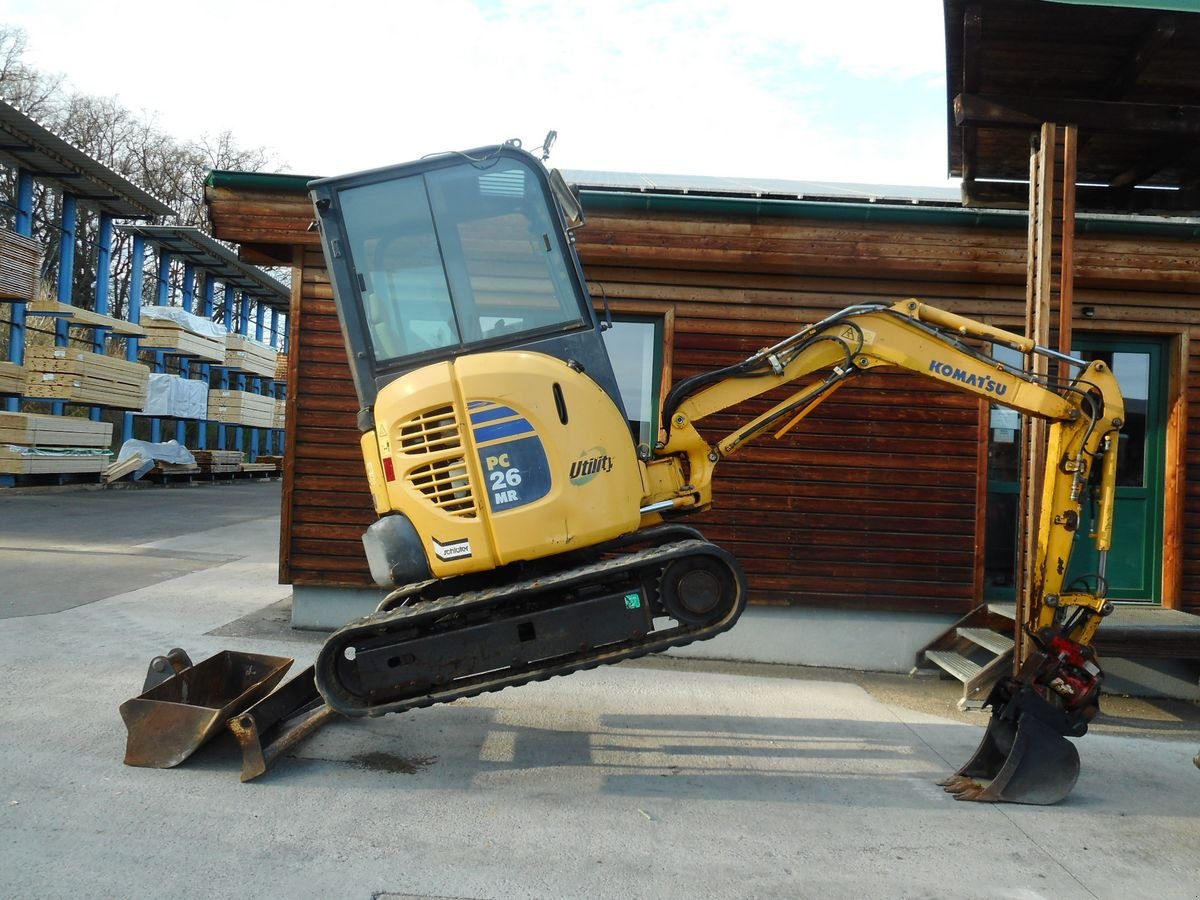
849,91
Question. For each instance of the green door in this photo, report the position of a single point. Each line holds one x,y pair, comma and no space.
1135,562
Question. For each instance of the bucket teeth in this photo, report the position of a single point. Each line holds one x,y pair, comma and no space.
963,788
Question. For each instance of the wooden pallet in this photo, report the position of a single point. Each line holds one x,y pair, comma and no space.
245,355
20,266
34,430
80,376
174,339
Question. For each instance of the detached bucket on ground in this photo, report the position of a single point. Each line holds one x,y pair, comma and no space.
177,713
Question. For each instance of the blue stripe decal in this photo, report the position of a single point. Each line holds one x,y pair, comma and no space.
504,429
489,415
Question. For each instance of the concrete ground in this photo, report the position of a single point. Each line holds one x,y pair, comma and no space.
664,778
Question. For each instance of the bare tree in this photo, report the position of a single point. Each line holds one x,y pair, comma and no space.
134,147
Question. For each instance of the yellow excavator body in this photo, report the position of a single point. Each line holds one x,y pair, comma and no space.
497,458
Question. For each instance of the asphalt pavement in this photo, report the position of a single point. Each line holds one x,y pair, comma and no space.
664,778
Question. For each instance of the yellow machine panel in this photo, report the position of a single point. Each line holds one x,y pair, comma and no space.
501,457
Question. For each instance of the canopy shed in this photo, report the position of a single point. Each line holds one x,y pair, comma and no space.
1123,71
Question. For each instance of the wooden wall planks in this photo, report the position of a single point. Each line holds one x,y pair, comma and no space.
873,502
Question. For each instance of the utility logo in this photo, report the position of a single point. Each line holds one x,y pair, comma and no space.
451,550
590,464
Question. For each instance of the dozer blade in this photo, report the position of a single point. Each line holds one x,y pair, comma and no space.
1021,759
171,719
277,722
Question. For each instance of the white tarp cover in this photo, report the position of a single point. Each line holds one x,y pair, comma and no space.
177,397
169,452
185,320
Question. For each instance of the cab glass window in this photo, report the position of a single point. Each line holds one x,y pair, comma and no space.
458,256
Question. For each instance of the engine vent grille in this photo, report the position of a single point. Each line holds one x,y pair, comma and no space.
445,481
430,432
446,484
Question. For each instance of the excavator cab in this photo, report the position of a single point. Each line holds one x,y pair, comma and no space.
492,426
455,254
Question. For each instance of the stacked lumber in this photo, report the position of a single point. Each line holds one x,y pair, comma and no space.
36,430
257,466
32,444
121,468
275,462
12,378
280,420
281,363
179,333
80,376
249,356
218,461
20,266
231,407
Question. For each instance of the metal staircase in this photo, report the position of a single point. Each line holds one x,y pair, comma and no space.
977,650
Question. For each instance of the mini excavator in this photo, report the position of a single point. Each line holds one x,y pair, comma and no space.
526,534
523,531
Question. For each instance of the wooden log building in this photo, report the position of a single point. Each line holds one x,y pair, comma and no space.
897,496
880,501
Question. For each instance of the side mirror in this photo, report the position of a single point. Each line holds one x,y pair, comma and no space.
567,199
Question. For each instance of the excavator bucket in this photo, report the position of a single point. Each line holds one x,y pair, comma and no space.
1022,758
177,713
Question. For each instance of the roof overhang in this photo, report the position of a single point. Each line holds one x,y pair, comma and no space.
1125,73
217,260
24,144
267,215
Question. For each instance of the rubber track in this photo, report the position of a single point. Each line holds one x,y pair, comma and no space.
346,702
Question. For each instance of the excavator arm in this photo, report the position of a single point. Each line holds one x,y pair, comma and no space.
1024,757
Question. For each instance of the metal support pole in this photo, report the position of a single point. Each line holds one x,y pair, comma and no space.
244,331
23,225
188,302
100,336
137,277
223,382
66,274
206,311
163,298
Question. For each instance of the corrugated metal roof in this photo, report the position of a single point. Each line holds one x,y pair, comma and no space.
28,145
216,259
763,188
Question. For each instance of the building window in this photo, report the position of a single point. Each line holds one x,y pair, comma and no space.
635,346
